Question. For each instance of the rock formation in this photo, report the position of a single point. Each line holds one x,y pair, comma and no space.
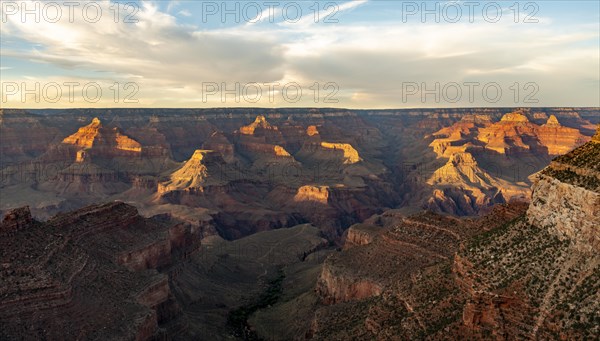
497,277
53,273
16,219
537,277
566,197
529,276
461,168
354,175
516,134
96,135
508,149
374,159
360,234
558,139
462,187
392,280
459,136
219,143
195,174
260,122
350,154
312,131
312,193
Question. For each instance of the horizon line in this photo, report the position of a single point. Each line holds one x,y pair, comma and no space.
312,108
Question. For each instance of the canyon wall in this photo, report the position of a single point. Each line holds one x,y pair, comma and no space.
566,197
104,256
455,161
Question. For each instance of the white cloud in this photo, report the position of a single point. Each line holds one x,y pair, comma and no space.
185,13
172,5
368,61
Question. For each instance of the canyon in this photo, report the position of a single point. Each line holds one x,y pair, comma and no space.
266,169
522,271
300,224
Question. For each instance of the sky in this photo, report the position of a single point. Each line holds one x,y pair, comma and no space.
362,54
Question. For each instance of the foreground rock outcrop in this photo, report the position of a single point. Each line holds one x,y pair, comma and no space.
393,277
566,197
88,274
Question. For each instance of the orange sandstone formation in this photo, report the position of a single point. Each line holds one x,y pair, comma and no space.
350,154
259,123
312,193
96,135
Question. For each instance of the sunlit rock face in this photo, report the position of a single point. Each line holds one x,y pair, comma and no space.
280,151
81,156
516,134
368,160
462,187
312,131
85,136
566,196
461,167
568,211
350,154
98,136
514,117
195,173
460,136
513,134
559,139
259,123
261,142
483,155
312,193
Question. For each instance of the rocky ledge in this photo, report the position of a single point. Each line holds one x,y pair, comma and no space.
101,256
566,197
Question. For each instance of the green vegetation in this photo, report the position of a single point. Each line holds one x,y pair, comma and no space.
567,176
238,318
485,237
521,258
586,156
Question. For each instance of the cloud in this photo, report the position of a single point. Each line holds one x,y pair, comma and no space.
327,14
185,13
368,60
154,48
172,5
